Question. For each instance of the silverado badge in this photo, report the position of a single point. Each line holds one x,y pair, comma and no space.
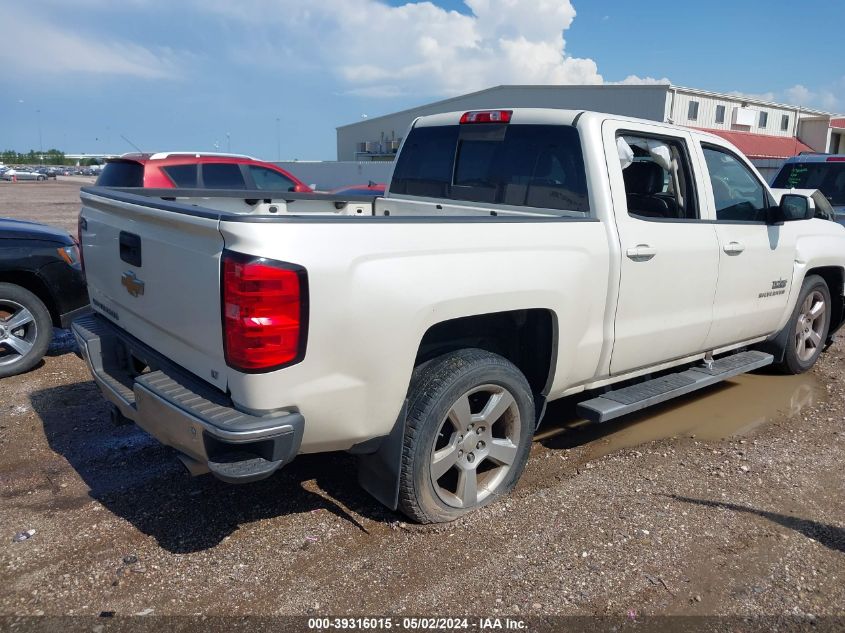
133,285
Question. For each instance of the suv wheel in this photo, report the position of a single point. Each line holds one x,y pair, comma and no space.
808,327
25,330
467,436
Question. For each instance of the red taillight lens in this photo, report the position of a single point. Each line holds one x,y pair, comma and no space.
81,225
264,313
487,116
836,159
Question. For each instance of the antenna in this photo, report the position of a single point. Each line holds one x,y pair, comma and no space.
131,143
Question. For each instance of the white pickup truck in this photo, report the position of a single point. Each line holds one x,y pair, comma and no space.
518,256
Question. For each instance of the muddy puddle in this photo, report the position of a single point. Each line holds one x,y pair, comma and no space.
731,408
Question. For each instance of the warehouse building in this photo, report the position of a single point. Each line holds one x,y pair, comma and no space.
766,132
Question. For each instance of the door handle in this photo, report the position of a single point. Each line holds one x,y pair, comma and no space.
733,248
641,253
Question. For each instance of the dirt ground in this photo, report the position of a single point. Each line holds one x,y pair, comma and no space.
54,202
729,502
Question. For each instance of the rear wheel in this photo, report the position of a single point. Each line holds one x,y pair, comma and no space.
468,434
25,330
808,327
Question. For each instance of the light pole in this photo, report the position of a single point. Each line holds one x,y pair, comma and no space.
40,144
228,143
278,140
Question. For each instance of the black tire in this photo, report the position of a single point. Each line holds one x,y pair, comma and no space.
813,289
37,333
492,452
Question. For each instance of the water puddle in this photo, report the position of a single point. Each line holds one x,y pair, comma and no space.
731,408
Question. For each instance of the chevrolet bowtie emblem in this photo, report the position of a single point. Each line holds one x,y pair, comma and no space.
133,285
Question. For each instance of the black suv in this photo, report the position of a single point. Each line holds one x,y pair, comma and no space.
41,286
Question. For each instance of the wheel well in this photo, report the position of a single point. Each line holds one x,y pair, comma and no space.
31,282
834,278
527,338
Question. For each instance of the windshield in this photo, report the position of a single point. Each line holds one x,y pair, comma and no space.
829,178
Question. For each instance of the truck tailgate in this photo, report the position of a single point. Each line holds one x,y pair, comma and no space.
156,275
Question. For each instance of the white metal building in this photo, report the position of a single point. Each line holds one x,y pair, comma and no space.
767,132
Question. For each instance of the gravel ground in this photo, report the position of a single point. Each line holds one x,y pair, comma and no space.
729,502
54,201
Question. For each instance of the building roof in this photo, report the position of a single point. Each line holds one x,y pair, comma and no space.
837,122
763,145
440,105
726,96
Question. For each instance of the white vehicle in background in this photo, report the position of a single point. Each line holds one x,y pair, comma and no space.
23,174
517,257
819,203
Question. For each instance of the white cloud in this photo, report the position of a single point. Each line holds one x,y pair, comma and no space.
759,96
830,97
823,98
380,50
59,51
634,80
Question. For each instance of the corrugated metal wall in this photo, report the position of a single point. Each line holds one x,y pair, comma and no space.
330,175
707,115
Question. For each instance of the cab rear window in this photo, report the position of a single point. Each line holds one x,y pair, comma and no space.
121,173
538,166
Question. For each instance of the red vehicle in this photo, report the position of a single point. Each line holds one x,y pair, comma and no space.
370,189
197,170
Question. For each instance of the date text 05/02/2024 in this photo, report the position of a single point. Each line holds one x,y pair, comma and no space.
418,624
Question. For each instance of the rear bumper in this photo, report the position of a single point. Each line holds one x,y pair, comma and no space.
67,318
181,411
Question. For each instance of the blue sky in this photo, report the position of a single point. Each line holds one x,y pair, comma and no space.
183,75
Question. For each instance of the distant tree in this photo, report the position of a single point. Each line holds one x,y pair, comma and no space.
32,157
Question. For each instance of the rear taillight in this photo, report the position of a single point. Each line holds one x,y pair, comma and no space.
265,313
81,225
487,116
836,159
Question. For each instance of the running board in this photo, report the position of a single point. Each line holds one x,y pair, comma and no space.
613,404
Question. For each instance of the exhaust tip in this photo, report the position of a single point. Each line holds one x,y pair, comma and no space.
193,467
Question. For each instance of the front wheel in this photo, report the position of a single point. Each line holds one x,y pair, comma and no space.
25,330
468,433
807,328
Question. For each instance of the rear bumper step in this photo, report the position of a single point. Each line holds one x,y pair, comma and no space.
179,411
616,403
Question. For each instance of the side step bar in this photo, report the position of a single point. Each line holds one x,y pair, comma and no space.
613,404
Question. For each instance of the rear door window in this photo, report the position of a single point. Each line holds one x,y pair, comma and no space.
538,166
183,176
269,179
658,179
122,173
222,176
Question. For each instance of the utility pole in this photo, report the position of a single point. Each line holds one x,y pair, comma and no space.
278,140
40,144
